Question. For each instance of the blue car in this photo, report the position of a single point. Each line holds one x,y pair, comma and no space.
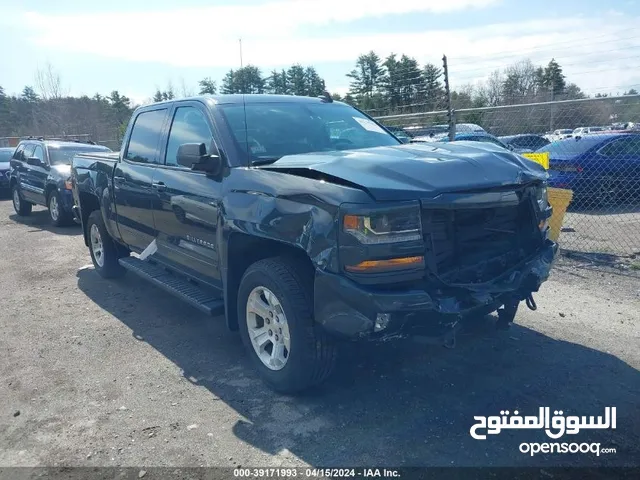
601,169
465,136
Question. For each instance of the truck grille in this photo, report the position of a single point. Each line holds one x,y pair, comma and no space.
474,245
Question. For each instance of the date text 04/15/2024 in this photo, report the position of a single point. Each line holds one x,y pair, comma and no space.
315,472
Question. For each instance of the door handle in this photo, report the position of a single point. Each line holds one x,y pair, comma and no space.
159,186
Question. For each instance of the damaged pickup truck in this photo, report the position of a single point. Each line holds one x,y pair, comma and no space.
306,222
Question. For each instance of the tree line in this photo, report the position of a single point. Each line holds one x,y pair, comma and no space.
397,84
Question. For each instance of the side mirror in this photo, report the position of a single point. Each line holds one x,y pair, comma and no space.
195,157
35,161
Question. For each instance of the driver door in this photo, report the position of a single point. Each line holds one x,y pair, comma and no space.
187,210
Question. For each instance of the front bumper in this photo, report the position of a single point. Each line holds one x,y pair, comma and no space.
349,310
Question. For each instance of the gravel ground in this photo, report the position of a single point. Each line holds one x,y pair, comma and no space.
115,373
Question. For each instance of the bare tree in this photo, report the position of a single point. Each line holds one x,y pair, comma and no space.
49,84
184,90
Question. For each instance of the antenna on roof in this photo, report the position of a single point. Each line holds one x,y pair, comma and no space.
326,97
240,42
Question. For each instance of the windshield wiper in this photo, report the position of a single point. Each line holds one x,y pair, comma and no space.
265,161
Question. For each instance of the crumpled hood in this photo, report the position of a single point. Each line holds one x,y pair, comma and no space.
415,171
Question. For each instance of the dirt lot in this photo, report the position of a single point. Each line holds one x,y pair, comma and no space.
107,373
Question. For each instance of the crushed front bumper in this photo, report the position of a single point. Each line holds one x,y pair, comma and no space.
349,310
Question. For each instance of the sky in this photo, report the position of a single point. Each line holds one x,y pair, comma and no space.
136,46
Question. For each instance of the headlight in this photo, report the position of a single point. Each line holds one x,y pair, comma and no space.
396,225
542,197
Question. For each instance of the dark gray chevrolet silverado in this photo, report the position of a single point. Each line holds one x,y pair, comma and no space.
306,222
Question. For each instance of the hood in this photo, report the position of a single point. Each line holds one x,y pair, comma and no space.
415,171
62,171
4,166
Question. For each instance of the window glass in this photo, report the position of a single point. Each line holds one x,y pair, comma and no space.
626,146
271,130
189,126
63,154
17,155
28,151
5,154
38,153
145,135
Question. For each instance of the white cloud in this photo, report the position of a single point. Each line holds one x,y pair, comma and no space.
595,51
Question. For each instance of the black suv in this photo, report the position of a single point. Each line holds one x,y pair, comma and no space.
40,174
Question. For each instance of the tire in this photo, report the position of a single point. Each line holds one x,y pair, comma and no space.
312,355
21,206
57,214
105,259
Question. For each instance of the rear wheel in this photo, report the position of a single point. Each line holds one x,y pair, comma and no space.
277,327
103,249
21,206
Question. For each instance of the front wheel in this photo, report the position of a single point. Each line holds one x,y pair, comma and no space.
58,216
104,250
277,327
21,206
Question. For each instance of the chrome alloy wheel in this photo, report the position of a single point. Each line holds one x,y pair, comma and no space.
268,328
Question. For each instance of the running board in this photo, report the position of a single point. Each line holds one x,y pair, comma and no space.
203,300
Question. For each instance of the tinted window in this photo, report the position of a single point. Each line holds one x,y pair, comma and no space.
28,151
17,155
63,154
272,130
189,126
626,146
572,146
5,155
143,144
38,153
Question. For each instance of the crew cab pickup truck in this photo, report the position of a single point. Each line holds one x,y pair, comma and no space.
305,222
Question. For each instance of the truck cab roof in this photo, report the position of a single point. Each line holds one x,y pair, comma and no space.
239,99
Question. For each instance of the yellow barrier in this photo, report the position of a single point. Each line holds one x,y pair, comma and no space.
542,158
559,198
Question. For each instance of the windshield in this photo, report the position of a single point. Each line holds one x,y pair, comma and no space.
62,155
571,146
274,130
5,154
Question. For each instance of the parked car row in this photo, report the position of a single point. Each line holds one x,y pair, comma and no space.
304,222
601,165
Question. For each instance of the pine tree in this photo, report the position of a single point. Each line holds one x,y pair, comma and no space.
432,86
392,83
366,79
207,86
314,84
297,80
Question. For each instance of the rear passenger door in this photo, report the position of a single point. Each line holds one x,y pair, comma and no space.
30,192
37,175
133,178
187,214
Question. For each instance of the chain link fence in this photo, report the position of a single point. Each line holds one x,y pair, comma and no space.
594,151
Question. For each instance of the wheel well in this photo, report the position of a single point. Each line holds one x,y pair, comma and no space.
245,250
88,203
50,188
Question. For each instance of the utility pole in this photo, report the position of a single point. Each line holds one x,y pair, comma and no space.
240,41
447,90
